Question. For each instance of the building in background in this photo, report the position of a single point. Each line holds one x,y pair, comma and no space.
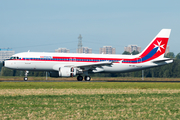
107,50
86,50
5,53
167,50
62,50
131,48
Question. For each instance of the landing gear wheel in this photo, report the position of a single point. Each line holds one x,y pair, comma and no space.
79,78
25,78
87,78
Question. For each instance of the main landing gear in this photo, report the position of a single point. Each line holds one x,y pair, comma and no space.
86,78
26,74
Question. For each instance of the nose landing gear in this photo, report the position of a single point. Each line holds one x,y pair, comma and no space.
26,74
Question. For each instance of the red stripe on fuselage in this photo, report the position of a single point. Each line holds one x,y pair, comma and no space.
87,58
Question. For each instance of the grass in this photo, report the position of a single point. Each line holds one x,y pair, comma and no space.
89,100
98,106
87,85
25,92
93,78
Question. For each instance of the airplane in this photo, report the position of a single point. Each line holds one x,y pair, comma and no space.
76,64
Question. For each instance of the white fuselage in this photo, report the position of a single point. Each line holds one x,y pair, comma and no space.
52,61
69,64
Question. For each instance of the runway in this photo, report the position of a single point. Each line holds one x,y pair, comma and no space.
86,81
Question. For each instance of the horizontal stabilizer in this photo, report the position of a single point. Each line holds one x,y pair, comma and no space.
163,60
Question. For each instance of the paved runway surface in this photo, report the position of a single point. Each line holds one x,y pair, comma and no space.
82,81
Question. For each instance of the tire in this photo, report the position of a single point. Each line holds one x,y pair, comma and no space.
25,78
79,78
87,78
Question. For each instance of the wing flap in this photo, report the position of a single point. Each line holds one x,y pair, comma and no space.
97,64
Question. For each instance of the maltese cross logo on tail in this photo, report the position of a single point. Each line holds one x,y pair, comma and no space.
159,46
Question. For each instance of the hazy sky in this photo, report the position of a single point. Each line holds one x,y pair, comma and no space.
45,25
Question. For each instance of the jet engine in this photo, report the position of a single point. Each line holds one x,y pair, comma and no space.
64,72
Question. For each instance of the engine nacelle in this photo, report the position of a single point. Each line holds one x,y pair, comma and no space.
64,72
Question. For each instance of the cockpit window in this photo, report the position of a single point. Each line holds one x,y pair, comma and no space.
14,58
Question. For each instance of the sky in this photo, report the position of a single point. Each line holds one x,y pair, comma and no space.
46,25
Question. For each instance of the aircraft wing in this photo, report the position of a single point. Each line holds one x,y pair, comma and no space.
97,64
85,66
91,65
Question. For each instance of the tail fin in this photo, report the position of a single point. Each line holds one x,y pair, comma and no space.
157,47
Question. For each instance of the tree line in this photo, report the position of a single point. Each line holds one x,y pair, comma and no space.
167,71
